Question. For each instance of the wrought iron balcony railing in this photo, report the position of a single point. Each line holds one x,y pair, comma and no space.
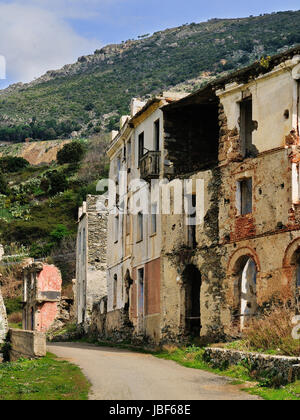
150,165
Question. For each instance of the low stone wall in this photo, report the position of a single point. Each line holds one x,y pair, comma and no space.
278,369
27,344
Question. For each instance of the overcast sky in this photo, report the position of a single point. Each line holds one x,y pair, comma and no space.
40,35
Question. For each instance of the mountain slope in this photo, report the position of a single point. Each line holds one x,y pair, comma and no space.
94,91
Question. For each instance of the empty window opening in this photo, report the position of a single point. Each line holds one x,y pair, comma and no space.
192,282
246,125
128,223
157,135
127,283
140,226
244,196
117,225
153,218
191,228
128,154
141,298
115,291
141,145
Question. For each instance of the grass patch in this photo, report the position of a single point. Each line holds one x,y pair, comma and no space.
192,357
43,379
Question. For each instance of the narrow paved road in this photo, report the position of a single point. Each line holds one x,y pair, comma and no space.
124,375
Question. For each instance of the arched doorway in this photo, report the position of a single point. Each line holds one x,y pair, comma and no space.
248,300
192,291
245,298
291,266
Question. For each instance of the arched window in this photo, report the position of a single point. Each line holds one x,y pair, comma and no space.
248,292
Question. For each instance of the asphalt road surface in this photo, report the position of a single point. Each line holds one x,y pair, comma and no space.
124,375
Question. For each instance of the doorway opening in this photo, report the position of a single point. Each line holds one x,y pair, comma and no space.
192,282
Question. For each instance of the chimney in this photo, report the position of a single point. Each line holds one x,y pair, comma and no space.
135,106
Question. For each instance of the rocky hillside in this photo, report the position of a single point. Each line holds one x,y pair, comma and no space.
91,93
36,153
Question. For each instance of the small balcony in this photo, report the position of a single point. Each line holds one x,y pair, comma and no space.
150,165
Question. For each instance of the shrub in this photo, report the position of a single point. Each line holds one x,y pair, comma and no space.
13,305
3,184
15,318
58,182
13,164
71,153
273,332
59,233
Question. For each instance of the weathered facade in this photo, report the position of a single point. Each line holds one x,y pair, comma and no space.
41,296
246,252
235,143
91,285
134,240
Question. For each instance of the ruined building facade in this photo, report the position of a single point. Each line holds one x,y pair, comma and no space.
91,285
41,296
236,144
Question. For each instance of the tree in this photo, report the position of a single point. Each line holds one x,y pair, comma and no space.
58,182
71,153
59,233
13,164
3,184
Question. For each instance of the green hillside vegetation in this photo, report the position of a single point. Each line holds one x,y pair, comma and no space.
39,204
91,94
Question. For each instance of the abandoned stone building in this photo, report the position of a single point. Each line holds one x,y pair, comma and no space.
91,284
41,296
236,144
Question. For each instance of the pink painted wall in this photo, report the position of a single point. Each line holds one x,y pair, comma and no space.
47,314
49,279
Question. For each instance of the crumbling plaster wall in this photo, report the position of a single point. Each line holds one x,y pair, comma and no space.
91,280
206,257
276,277
268,232
271,196
97,242
268,112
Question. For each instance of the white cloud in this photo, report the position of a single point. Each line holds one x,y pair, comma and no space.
34,39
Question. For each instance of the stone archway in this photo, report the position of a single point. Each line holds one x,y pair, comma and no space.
191,292
291,269
243,271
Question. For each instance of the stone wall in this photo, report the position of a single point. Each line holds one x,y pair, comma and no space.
27,344
91,284
278,369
